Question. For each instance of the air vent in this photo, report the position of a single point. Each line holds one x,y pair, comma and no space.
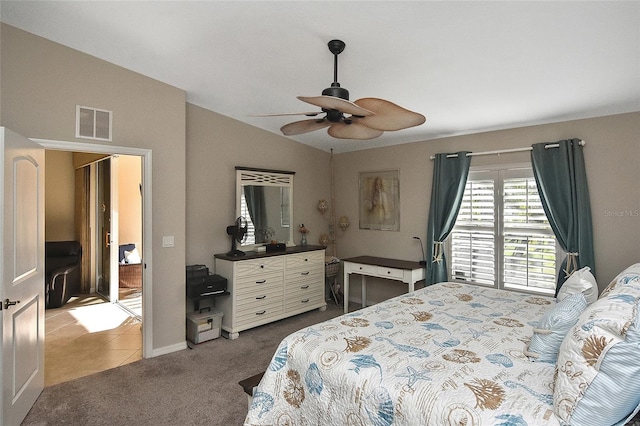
93,123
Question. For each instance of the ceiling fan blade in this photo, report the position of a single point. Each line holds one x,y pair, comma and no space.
331,102
388,116
355,130
308,114
304,126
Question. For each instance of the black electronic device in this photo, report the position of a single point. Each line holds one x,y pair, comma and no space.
238,232
276,247
206,286
197,271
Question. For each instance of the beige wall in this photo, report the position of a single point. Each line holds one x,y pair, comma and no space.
611,157
59,199
215,146
41,84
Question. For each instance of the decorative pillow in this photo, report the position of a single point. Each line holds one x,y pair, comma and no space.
122,248
553,327
581,281
597,370
630,274
132,256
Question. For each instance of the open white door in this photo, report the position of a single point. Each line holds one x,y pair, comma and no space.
115,231
22,289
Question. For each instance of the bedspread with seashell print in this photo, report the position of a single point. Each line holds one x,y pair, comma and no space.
449,354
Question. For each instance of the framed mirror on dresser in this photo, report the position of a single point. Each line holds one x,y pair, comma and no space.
265,199
267,285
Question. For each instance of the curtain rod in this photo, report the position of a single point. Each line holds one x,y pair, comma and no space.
505,151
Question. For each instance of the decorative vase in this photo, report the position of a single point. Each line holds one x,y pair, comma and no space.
303,240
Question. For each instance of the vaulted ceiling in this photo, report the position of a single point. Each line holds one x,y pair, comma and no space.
467,66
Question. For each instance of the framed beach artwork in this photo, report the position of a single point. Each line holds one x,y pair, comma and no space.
380,200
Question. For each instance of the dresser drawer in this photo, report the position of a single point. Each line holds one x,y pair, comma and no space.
266,293
301,260
247,268
389,272
257,282
259,301
258,313
296,290
368,269
310,273
302,302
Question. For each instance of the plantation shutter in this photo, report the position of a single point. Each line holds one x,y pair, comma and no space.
473,237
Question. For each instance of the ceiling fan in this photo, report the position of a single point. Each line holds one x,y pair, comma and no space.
365,118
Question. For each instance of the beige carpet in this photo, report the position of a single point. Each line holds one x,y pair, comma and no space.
196,386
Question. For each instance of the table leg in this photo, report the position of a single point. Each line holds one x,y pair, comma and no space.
364,291
345,290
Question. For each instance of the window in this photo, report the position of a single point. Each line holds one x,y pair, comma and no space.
244,212
502,237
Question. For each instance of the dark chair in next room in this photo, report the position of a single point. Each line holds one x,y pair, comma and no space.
62,264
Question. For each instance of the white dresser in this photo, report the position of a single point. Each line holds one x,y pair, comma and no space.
266,287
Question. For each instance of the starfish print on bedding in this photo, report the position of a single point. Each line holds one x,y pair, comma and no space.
413,375
475,333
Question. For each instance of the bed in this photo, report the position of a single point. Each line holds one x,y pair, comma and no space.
453,354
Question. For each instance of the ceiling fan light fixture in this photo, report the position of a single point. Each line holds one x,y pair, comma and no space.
336,91
366,118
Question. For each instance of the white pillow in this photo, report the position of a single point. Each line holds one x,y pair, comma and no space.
581,281
132,256
632,273
596,378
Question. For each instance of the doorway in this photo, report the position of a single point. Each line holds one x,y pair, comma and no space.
102,327
147,237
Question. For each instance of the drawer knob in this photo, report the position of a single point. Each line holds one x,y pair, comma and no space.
305,301
304,286
260,297
304,273
388,272
261,313
262,266
261,282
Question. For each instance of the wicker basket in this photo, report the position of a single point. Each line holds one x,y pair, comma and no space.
330,271
331,268
130,275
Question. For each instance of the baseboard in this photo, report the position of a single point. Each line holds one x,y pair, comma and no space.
168,349
356,300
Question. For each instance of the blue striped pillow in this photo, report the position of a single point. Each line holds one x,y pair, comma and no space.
553,327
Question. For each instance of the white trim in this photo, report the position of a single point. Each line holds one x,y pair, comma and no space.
147,225
168,349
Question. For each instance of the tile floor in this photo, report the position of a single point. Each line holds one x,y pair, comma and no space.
88,335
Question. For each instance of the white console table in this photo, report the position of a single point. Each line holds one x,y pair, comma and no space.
393,269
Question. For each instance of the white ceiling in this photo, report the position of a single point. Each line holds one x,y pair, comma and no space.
467,66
